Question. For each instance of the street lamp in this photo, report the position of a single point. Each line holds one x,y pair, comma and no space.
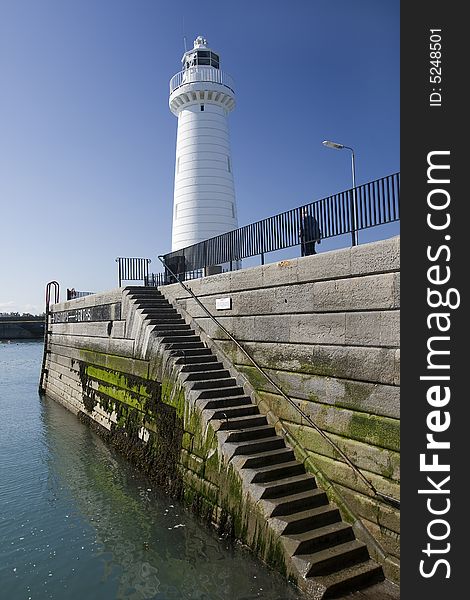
337,146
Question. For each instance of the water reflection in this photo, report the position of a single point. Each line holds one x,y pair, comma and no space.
79,522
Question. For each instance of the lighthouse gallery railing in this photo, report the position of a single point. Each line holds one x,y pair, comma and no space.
200,74
374,203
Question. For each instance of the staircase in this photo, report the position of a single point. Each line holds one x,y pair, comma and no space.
319,546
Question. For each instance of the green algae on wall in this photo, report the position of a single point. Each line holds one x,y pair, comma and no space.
106,387
158,430
137,406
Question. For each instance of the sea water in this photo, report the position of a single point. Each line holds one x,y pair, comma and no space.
78,522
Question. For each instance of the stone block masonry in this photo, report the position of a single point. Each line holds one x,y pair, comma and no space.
185,405
326,330
104,364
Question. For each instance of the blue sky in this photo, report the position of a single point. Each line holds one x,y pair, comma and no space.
87,141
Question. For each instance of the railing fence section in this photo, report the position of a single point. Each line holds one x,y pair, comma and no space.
72,293
200,73
368,205
132,269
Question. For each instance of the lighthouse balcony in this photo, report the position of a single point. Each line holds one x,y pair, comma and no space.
201,85
200,74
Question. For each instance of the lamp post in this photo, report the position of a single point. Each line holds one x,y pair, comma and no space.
337,146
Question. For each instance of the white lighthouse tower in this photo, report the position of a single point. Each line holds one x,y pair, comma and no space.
201,96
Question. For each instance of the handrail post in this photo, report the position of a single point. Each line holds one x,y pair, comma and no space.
354,201
118,260
261,229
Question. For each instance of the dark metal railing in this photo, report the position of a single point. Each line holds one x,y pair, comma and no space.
158,279
133,269
368,205
155,280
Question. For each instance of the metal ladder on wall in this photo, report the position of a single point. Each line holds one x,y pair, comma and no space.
47,331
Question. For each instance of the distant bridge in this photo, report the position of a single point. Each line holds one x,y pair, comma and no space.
18,328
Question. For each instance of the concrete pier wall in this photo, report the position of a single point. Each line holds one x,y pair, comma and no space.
105,367
326,330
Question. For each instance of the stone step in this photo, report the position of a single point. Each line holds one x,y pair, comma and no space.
222,392
254,433
277,472
317,539
207,374
240,422
143,296
196,354
227,413
163,318
202,367
272,457
350,579
311,518
183,345
144,291
331,559
155,313
152,304
287,487
195,358
263,444
231,401
180,339
141,287
148,312
209,384
152,323
171,327
298,501
179,333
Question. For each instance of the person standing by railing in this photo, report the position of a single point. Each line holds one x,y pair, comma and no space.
309,232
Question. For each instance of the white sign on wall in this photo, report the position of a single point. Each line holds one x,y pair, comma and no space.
223,303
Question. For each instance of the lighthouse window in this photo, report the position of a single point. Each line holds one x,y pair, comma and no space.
202,107
215,60
203,57
229,166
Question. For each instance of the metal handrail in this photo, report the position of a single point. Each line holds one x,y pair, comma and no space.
201,74
368,205
388,499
